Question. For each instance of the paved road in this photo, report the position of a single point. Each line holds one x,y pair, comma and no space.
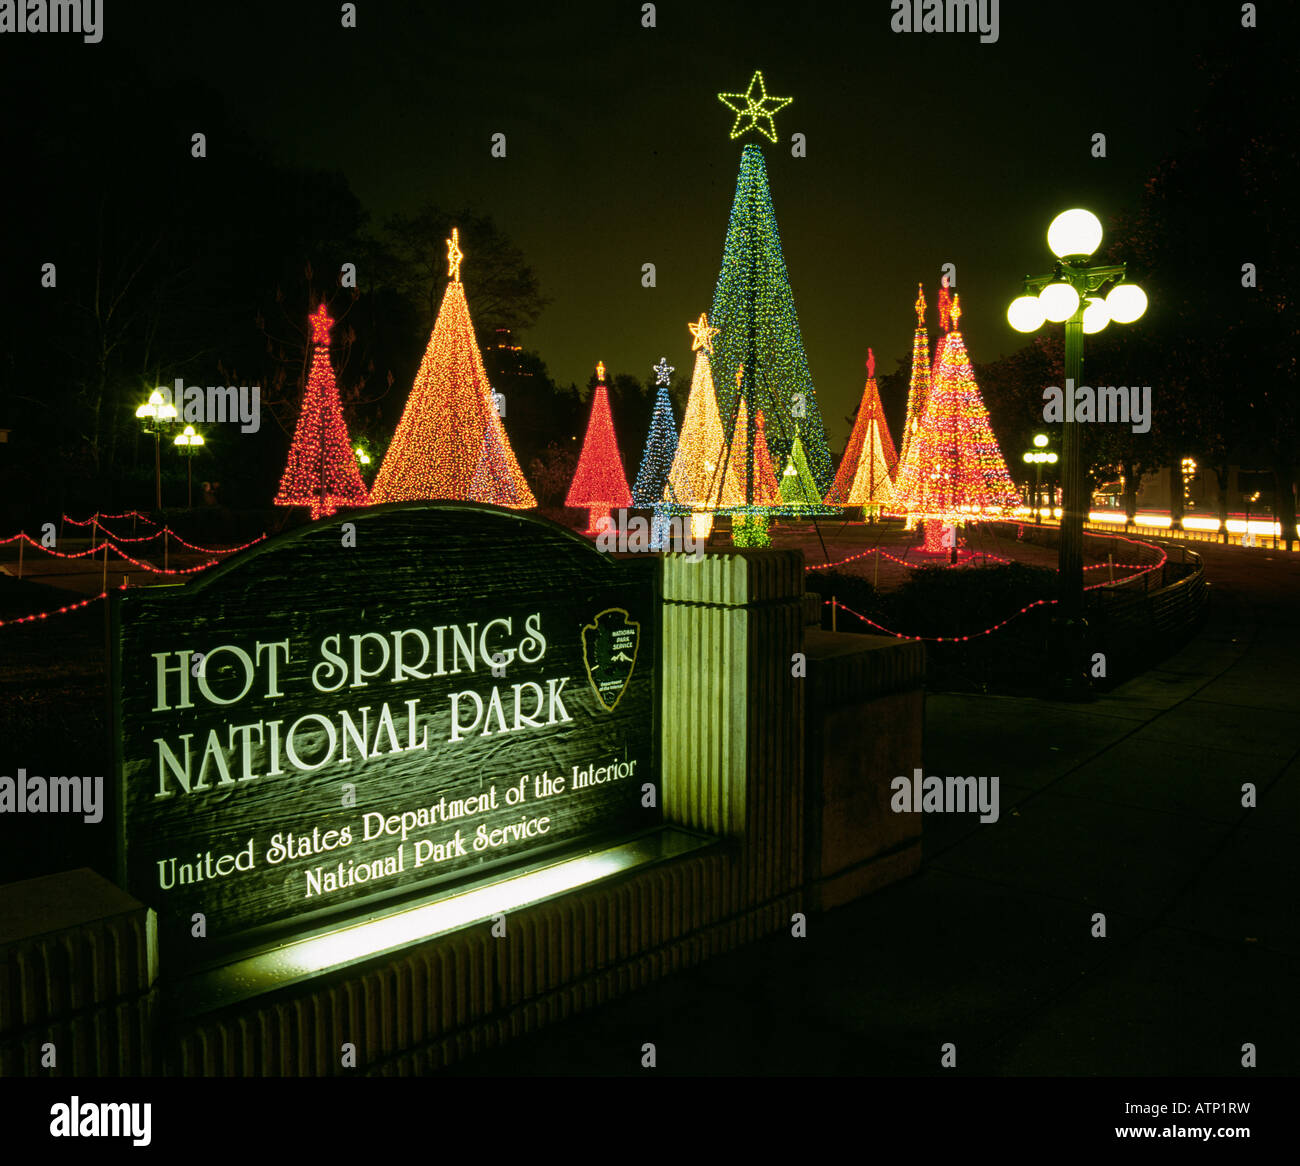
1130,807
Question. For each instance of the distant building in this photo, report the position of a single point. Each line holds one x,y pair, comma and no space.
501,355
1200,490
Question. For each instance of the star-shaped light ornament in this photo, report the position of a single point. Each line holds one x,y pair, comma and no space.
663,371
600,371
320,325
454,254
753,107
703,334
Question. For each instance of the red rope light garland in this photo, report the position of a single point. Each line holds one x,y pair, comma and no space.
40,615
945,639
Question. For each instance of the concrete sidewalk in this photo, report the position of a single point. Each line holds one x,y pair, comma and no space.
1130,806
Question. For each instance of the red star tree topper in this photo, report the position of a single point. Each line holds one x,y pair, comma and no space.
322,469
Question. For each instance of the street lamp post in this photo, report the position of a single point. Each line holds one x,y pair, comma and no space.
1066,296
188,443
1038,458
154,414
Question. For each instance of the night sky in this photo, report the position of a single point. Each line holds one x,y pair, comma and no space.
921,149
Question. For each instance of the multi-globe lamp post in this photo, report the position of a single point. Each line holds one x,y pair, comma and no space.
189,443
1039,457
154,414
1068,295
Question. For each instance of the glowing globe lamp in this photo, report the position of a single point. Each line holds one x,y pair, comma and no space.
1059,301
1026,314
1126,302
1095,315
1074,234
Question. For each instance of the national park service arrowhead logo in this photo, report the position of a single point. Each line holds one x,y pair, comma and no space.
609,645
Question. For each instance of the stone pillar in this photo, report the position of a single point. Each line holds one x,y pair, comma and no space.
733,709
864,728
78,961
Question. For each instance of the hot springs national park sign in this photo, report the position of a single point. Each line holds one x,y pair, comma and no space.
347,713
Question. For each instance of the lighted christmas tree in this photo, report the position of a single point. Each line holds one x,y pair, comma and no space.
660,446
451,424
322,470
945,326
599,482
766,491
954,469
657,461
798,488
694,482
492,478
749,529
734,482
865,474
919,389
753,305
872,487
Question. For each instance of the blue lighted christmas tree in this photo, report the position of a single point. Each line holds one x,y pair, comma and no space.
753,307
660,446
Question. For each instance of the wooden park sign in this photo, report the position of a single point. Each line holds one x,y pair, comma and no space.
397,698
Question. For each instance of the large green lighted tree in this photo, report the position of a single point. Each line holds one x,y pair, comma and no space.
753,307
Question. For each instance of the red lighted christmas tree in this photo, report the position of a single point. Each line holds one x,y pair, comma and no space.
450,442
869,461
599,482
954,470
766,492
322,470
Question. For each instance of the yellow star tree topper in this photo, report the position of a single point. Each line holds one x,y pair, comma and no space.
753,107
703,334
454,254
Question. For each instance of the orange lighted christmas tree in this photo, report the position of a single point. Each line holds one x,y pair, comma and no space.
954,469
599,482
322,470
919,388
865,474
450,442
733,492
